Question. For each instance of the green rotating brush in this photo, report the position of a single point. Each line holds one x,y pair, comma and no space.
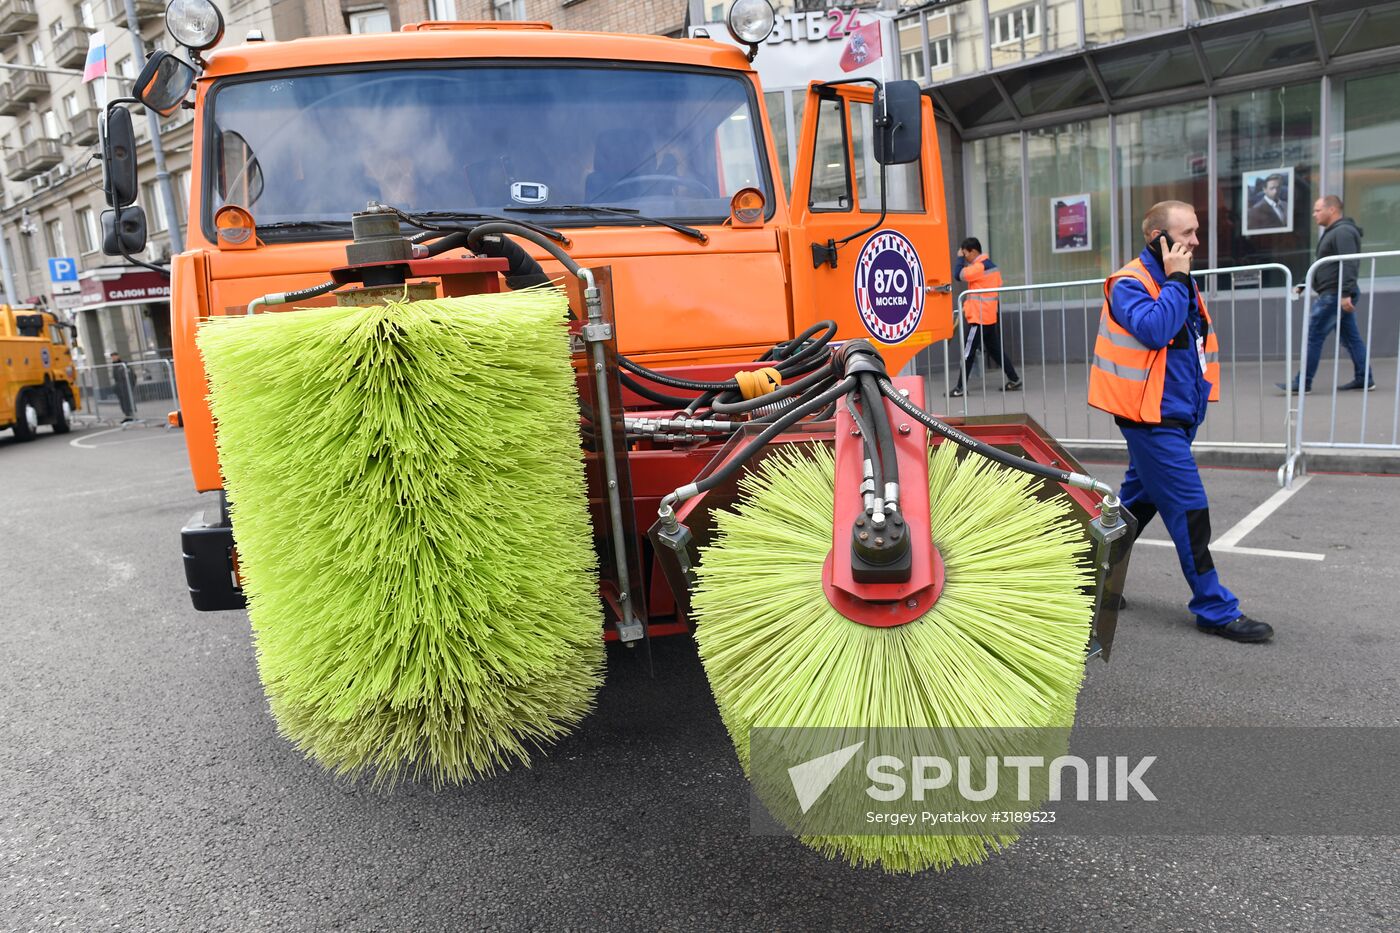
1002,648
394,473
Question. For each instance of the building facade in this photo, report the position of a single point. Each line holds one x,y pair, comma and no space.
51,198
1070,117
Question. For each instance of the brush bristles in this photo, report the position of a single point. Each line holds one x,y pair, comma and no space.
1003,647
408,502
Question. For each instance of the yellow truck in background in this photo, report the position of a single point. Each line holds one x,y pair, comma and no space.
38,384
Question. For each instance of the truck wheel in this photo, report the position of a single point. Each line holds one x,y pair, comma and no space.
26,417
62,413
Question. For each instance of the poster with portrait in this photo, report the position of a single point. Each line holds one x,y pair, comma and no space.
1268,201
1069,217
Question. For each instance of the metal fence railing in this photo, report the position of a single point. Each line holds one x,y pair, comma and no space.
139,391
1352,415
1049,332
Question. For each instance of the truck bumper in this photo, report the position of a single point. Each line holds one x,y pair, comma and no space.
209,568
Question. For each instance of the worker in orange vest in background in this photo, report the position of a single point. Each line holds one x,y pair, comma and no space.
980,314
1156,366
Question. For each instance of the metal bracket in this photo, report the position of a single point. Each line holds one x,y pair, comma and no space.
593,333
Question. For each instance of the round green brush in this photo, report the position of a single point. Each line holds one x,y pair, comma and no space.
1002,648
408,501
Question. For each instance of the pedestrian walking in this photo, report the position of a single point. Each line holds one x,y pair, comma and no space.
1340,237
980,314
1156,367
124,384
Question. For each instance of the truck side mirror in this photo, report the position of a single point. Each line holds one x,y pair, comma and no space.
900,139
127,237
164,82
119,158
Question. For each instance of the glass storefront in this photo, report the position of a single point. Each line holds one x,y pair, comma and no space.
1253,193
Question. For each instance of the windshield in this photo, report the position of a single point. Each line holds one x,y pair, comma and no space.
318,146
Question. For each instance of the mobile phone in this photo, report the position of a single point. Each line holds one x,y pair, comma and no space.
1154,245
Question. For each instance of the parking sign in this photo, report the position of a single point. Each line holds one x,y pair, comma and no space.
63,269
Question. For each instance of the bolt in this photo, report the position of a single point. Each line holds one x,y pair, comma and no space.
612,484
904,429
904,392
912,603
865,536
860,519
879,542
897,519
598,367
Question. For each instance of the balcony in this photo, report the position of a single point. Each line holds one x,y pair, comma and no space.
40,155
145,9
14,167
22,88
70,48
84,126
16,16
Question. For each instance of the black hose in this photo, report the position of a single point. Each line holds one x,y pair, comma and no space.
773,430
785,391
445,243
312,292
676,382
651,394
971,443
884,437
867,438
523,272
500,227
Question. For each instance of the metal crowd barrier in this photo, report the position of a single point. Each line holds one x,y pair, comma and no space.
1050,331
1348,421
141,391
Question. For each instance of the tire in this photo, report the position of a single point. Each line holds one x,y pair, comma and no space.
62,411
26,417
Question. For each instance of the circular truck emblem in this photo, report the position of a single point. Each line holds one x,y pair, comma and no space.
44,355
889,286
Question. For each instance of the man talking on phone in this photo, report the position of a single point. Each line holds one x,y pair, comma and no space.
1155,370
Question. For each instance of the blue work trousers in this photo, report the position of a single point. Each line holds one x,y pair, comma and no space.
1162,478
1321,322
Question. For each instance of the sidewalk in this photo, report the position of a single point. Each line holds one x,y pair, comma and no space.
1248,427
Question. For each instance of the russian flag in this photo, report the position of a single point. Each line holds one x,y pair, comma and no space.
96,65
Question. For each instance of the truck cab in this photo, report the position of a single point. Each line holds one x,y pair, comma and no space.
38,385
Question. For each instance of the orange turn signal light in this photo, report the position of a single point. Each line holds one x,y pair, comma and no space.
235,228
746,208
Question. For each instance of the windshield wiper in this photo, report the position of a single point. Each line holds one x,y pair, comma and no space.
336,225
481,215
620,211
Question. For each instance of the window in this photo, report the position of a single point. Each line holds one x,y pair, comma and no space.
126,67
58,246
1015,25
51,129
367,21
1371,172
56,28
70,105
940,52
36,53
1069,236
88,236
831,174
181,181
911,49
86,15
906,181
508,9
995,212
26,133
442,9
155,207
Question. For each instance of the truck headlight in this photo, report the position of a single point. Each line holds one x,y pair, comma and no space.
751,21
195,24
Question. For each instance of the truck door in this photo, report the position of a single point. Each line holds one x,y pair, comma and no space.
891,283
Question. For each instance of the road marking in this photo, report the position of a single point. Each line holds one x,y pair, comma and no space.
78,441
1229,542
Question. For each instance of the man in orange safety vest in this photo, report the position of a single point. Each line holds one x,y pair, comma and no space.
1156,366
981,328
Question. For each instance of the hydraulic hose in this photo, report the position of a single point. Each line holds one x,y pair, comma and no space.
499,227
1077,480
668,503
652,395
785,391
523,272
282,298
884,437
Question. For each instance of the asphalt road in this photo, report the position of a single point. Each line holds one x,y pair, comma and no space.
143,785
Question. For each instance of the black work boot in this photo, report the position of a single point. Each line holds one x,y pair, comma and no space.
1242,629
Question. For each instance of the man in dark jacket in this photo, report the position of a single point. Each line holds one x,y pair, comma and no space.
1340,236
124,385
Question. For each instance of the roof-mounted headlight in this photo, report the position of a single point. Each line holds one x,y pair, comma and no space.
751,21
195,24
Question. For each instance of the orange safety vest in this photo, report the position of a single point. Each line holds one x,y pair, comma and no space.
1127,377
981,309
